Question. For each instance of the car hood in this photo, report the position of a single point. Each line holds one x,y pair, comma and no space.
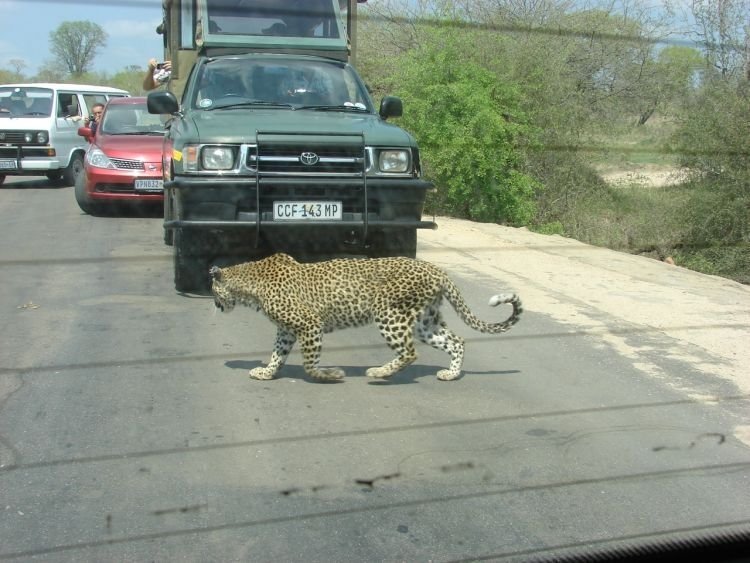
147,148
241,125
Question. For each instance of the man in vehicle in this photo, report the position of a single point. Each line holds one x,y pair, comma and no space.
96,113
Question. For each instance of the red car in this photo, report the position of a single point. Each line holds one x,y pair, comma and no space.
123,162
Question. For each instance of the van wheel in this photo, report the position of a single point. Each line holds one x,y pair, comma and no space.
2,179
73,171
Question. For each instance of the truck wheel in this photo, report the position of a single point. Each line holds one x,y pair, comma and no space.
401,242
73,171
168,233
83,199
190,261
2,179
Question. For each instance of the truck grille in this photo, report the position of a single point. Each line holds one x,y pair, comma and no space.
336,155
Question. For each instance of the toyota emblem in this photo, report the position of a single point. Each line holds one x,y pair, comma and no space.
308,158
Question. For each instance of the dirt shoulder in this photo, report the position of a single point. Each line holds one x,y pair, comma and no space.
609,294
649,176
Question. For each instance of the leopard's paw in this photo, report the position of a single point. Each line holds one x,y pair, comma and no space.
328,374
447,375
379,373
261,373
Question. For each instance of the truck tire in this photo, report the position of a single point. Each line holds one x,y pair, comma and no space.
73,170
191,261
400,242
168,208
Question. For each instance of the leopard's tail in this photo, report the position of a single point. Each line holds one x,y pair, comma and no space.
454,297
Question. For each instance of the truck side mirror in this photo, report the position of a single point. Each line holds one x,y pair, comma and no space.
391,106
162,102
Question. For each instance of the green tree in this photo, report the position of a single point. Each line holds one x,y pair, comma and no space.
471,130
7,76
722,26
130,78
75,44
670,84
50,72
713,143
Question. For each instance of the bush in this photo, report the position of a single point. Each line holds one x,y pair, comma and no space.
471,132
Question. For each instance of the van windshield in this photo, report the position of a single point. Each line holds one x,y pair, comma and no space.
20,101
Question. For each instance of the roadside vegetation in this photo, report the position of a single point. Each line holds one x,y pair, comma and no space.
558,117
555,115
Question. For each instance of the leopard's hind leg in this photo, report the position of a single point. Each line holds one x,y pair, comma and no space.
398,330
284,342
311,342
432,330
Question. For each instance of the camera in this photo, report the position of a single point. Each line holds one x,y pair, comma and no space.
159,66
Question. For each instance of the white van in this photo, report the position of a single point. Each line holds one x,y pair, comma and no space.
39,128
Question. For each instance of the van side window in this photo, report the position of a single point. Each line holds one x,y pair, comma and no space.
67,105
93,99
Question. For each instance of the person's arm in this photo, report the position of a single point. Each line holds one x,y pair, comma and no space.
148,80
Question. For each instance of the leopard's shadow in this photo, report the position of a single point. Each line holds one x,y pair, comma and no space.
408,376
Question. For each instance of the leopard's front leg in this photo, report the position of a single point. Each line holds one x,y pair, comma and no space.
285,340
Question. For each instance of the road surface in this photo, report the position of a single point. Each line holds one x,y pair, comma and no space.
615,411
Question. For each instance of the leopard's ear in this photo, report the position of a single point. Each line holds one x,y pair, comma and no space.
215,273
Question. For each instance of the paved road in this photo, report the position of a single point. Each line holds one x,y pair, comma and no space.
130,432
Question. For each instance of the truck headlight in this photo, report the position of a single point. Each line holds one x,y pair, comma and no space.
42,137
96,157
217,158
396,161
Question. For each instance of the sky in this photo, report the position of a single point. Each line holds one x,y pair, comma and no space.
131,25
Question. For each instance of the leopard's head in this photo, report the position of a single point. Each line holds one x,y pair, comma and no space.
223,297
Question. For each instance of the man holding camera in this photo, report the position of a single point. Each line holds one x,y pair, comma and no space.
92,122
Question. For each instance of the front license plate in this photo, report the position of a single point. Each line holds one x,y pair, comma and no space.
8,165
307,210
149,185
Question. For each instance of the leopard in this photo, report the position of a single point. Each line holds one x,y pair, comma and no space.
305,300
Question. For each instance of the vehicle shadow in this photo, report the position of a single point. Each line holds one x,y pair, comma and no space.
32,183
130,211
408,376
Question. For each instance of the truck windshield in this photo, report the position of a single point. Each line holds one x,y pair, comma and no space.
25,102
272,17
283,82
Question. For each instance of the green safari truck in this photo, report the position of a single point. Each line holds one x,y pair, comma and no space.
275,143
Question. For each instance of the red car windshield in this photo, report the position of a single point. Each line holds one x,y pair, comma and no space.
128,119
